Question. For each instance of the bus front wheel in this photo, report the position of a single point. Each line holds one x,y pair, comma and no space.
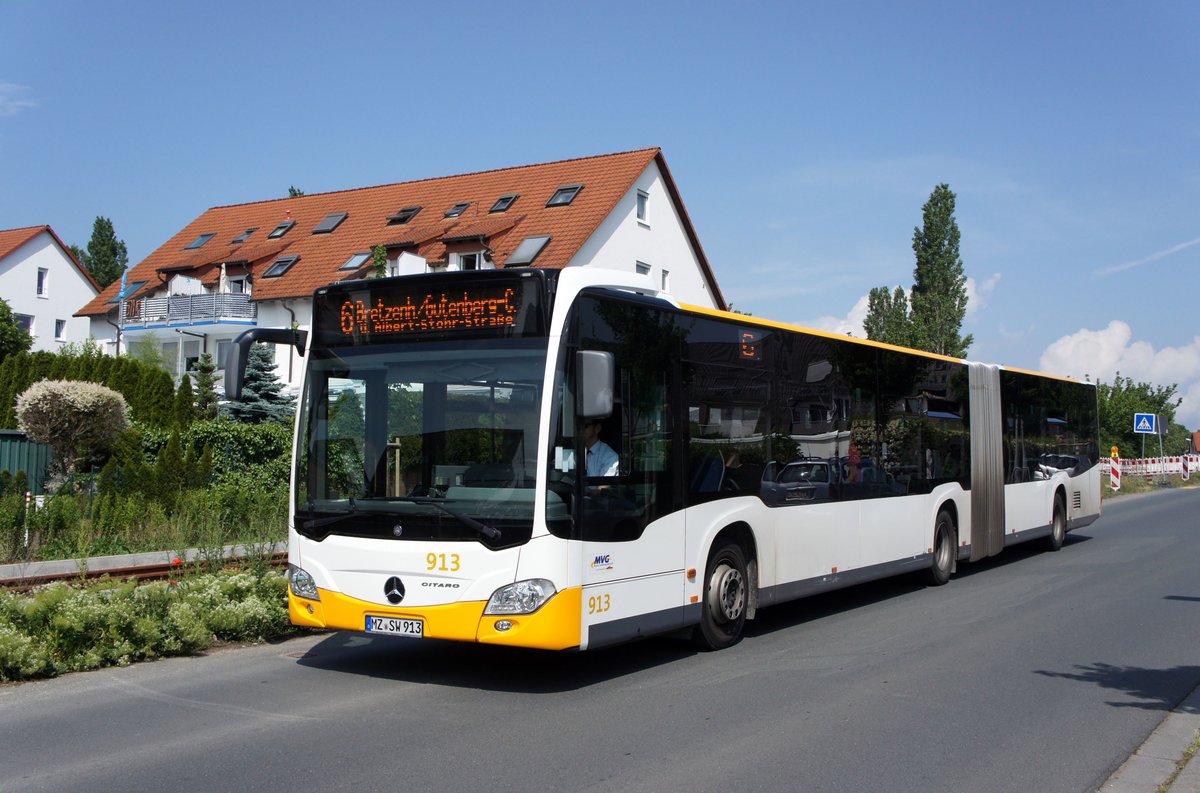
726,594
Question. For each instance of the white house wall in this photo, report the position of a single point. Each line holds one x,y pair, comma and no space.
66,290
621,241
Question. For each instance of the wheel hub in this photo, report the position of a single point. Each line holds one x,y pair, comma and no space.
726,593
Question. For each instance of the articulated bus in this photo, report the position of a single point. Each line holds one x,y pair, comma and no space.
436,491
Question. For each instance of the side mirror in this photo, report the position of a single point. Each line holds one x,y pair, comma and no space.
239,351
594,384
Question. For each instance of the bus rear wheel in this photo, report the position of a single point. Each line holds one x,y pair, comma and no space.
942,563
726,594
1058,527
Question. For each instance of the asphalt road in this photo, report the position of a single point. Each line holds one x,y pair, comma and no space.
1031,672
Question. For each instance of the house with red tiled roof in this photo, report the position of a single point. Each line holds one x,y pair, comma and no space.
257,264
44,284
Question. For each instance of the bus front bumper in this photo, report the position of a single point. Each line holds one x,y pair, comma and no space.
554,626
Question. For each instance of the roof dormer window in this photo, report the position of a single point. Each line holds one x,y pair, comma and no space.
281,266
564,195
281,229
199,242
403,216
356,261
504,202
528,250
457,209
331,222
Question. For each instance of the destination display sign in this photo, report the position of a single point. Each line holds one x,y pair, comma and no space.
387,309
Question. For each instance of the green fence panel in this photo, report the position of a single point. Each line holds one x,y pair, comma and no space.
18,453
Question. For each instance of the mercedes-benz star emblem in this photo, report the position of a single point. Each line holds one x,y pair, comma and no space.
393,590
397,530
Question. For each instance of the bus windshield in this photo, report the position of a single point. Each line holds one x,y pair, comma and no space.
421,441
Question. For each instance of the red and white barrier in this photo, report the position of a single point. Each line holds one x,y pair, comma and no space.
1181,466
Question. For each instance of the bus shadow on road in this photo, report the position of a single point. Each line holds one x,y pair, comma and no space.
1153,689
506,669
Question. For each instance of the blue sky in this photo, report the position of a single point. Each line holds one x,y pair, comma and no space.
804,138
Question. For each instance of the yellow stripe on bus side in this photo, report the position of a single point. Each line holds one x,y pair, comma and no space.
555,626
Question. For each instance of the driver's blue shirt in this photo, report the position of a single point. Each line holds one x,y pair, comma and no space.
602,460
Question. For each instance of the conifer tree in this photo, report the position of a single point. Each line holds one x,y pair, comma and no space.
206,387
169,473
262,393
106,256
183,412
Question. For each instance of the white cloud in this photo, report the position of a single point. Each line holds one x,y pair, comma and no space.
14,99
1102,353
851,324
978,294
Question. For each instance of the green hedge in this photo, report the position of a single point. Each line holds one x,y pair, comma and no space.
62,628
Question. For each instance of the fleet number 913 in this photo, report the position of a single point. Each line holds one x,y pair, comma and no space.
598,604
445,562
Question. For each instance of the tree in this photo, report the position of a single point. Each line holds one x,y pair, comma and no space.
939,293
106,256
13,337
887,316
931,315
206,387
262,393
1121,399
294,192
73,418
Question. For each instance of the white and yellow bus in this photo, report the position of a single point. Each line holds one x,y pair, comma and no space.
436,492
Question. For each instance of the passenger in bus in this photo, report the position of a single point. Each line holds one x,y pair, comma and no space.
601,459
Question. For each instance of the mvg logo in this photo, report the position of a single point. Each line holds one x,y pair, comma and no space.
602,562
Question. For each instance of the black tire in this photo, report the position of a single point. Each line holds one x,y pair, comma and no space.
726,595
1058,527
944,548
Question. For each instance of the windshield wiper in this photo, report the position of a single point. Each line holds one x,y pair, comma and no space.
491,532
316,523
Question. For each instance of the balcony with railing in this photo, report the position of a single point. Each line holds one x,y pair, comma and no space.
182,310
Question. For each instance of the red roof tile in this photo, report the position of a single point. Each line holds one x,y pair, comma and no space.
605,178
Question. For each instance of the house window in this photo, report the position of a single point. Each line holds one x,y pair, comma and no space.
331,222
468,261
457,209
199,242
642,268
643,198
245,235
237,285
43,275
564,195
24,322
356,261
280,266
527,251
281,229
504,202
60,330
222,352
403,216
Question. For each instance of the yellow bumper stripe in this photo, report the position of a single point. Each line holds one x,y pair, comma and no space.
555,626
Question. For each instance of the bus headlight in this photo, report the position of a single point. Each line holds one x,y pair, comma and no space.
302,583
522,597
